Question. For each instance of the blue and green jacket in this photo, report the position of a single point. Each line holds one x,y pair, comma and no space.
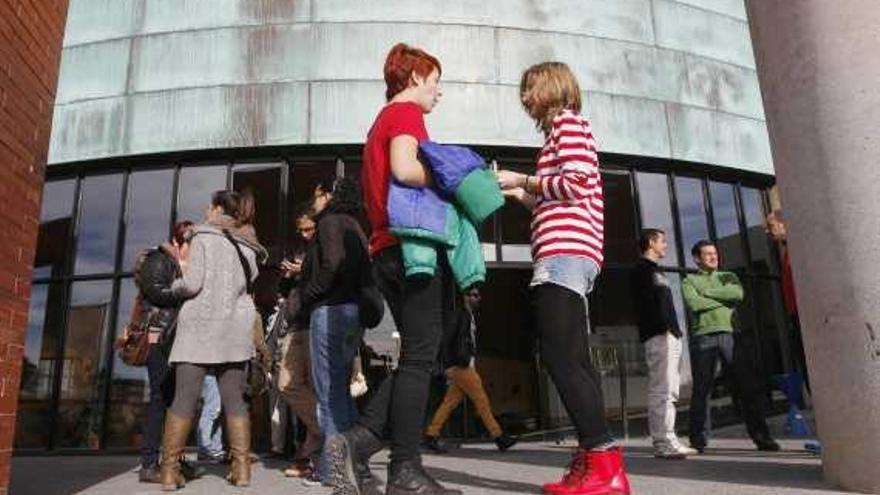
445,216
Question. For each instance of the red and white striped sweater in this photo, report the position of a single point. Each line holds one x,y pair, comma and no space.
568,219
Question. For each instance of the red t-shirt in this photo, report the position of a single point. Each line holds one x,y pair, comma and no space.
394,120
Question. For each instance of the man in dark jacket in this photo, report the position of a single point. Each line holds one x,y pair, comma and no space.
459,351
659,331
154,272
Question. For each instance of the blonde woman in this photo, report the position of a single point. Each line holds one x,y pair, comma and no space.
565,197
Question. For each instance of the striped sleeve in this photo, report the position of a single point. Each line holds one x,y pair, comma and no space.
575,159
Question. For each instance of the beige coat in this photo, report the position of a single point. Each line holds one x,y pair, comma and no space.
216,321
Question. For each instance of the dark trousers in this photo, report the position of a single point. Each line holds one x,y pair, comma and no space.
799,356
231,380
157,373
744,383
299,393
420,307
561,320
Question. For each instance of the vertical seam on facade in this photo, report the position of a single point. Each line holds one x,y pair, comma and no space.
125,138
653,23
496,46
309,113
668,129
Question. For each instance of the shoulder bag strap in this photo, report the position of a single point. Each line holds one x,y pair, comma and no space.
249,285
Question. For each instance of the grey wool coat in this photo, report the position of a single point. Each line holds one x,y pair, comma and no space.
216,320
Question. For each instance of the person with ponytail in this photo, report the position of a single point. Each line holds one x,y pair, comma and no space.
327,297
215,330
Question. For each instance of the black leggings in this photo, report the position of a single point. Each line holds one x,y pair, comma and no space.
420,308
231,380
561,320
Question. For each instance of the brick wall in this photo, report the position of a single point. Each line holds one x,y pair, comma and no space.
30,46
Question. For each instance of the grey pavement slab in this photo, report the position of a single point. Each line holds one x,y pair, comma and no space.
731,466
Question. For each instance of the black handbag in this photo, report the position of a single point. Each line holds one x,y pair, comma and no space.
371,304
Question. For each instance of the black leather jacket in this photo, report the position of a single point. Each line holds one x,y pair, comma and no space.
154,278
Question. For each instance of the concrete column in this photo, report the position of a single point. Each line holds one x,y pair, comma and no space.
820,78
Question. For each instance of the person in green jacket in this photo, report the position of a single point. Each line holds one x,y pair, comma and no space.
711,297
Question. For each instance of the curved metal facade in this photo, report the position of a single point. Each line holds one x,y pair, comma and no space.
662,78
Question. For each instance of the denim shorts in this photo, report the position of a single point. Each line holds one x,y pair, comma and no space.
575,273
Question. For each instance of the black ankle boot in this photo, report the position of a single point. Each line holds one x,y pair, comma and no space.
350,454
410,478
190,471
368,483
432,445
504,442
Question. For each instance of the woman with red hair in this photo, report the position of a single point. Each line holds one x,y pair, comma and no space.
417,305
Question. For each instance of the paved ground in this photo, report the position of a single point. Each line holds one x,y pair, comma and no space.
731,466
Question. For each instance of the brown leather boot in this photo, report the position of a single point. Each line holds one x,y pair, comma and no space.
238,429
173,443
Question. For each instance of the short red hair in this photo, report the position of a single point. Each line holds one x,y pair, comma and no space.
181,231
402,62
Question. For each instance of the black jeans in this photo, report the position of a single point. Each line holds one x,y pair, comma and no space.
739,368
561,320
160,399
420,307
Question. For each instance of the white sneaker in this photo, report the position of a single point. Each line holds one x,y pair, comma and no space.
687,450
667,451
681,448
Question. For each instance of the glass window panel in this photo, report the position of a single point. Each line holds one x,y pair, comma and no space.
615,341
621,244
773,332
516,233
656,210
98,224
764,259
129,386
486,232
352,169
506,347
729,240
691,214
40,362
681,315
149,212
264,180
304,177
79,412
56,227
195,189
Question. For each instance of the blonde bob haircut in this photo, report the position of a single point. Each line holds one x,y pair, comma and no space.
546,89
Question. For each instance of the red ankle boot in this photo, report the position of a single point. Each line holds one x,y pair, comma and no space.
593,473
